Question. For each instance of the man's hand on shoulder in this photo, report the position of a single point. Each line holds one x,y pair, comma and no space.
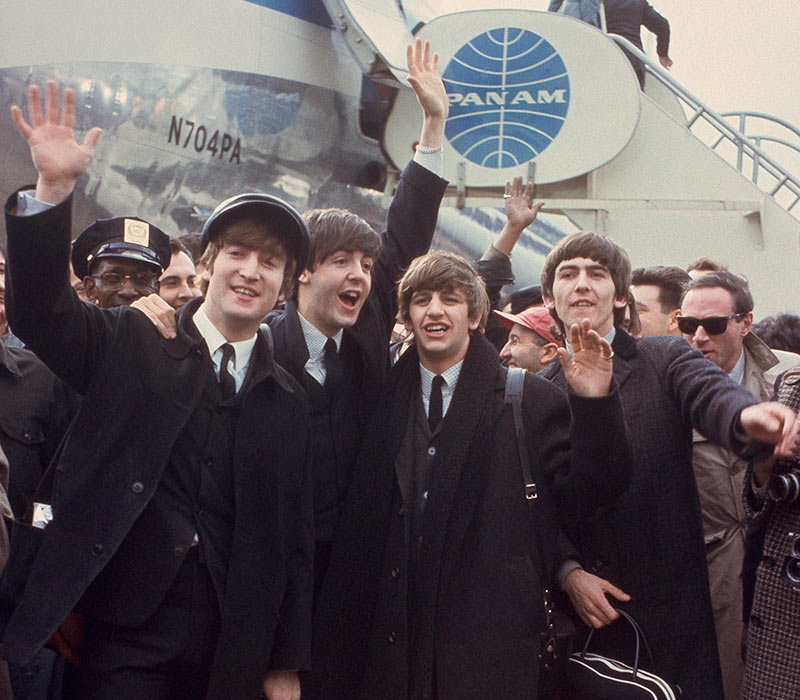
589,371
282,685
161,314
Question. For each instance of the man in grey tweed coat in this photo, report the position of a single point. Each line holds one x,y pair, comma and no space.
772,666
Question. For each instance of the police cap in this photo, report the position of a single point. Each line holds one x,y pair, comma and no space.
129,238
284,219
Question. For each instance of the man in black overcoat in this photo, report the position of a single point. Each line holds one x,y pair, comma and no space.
333,336
181,500
649,541
435,588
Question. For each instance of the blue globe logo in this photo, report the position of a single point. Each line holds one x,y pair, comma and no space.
509,95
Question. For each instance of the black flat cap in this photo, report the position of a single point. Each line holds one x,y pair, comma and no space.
283,218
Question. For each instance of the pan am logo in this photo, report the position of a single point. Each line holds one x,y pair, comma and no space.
509,94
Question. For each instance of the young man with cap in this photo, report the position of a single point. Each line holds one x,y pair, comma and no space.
181,511
435,588
333,336
531,343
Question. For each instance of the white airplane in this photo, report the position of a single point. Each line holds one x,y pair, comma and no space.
307,99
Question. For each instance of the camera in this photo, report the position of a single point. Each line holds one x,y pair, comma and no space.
785,488
791,563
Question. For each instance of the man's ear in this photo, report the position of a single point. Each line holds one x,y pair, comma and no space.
304,276
620,303
90,287
474,323
548,302
547,353
747,322
672,327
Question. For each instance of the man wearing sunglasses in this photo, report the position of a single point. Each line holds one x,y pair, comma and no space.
716,316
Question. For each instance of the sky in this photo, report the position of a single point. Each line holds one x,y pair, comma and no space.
733,55
737,54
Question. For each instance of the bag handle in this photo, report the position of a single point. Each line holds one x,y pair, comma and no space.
639,636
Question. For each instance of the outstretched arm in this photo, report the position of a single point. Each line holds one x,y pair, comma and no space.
59,159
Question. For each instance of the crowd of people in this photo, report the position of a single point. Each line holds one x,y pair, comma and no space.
223,480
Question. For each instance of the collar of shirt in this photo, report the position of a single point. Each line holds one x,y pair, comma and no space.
737,373
608,336
243,349
315,342
450,377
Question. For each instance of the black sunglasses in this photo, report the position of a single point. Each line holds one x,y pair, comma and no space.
713,325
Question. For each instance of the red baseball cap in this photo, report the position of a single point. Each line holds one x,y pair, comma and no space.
538,319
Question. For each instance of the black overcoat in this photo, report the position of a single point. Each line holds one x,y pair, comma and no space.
410,225
479,605
649,541
139,390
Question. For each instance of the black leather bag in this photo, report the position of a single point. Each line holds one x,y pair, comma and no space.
595,677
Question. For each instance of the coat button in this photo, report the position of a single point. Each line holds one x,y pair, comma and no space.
432,451
97,549
755,621
26,435
392,637
137,487
208,461
768,562
395,572
179,551
401,511
597,565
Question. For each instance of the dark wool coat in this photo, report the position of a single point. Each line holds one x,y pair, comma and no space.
139,390
410,225
34,414
478,596
649,542
773,631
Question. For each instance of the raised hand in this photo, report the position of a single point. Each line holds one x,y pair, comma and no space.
59,159
520,210
589,371
428,87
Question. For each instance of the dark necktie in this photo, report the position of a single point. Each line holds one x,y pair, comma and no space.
333,367
227,382
435,403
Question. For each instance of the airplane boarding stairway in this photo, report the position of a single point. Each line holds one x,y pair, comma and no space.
660,172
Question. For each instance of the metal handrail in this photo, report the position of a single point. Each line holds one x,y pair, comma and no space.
744,146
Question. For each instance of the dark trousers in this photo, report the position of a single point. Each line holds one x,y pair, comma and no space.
167,658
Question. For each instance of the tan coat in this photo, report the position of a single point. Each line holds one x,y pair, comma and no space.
720,478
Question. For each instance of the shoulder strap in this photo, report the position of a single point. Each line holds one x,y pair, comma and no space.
515,388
